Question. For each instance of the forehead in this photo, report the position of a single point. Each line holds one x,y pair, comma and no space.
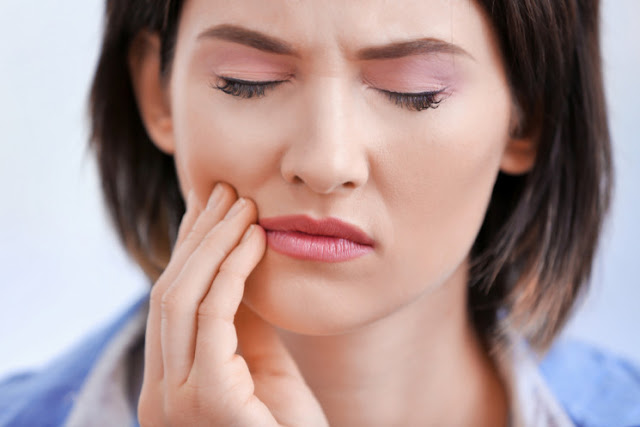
314,25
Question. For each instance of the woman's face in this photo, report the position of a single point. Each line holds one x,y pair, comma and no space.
330,141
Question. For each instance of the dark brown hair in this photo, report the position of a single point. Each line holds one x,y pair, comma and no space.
533,255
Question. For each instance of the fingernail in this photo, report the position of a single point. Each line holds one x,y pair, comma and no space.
237,207
248,233
215,196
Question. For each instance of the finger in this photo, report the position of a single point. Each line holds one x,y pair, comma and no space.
216,340
151,396
153,350
182,299
275,374
261,346
220,200
194,224
191,214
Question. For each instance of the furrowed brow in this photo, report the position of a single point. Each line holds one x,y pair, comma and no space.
411,47
251,38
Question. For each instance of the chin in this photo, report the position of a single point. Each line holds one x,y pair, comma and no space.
320,299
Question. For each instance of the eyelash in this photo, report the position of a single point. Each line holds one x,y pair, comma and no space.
244,88
416,101
411,101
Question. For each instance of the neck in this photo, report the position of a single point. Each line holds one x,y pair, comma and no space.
422,365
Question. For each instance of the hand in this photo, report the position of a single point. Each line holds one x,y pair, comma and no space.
193,374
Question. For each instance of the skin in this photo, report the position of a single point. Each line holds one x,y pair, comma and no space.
384,339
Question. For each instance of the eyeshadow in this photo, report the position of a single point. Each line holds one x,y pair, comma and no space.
418,73
242,62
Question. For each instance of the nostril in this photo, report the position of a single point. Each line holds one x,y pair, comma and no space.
349,184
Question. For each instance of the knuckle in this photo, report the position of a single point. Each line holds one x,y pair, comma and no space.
190,238
171,301
232,272
155,296
163,282
218,316
206,310
211,245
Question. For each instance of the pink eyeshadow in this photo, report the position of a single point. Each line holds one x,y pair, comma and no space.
418,73
237,61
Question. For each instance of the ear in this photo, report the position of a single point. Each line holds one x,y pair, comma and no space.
150,90
519,154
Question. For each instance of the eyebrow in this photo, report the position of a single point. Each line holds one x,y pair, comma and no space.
255,39
412,47
270,44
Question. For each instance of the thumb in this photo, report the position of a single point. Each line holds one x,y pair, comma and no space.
277,379
261,347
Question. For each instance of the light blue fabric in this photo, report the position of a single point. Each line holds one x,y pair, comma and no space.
45,397
597,389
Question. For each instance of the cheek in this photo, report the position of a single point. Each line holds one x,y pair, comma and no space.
442,182
216,142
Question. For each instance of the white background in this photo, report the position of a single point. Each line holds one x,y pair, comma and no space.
62,272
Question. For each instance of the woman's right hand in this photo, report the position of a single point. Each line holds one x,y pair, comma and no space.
193,374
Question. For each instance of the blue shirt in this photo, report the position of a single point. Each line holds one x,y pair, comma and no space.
92,384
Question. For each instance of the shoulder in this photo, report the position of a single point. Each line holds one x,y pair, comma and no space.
596,387
45,397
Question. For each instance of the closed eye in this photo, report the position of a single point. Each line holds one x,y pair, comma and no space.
244,88
416,101
252,89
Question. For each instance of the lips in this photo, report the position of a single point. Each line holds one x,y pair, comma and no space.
329,239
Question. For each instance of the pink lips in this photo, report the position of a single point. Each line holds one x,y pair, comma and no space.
328,240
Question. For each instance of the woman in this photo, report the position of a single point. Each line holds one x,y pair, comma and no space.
352,214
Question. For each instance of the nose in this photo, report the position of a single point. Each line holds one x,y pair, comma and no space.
328,152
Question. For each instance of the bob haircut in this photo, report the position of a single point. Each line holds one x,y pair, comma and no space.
532,257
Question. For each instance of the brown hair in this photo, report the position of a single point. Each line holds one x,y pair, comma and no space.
533,255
